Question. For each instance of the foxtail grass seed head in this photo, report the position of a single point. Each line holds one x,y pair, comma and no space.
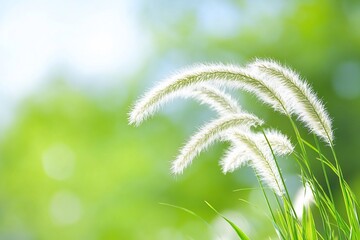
261,159
219,75
210,133
279,142
239,155
273,84
235,157
217,99
299,97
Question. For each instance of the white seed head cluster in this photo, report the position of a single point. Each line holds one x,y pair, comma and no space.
216,99
186,81
279,142
273,84
211,132
260,158
235,157
299,98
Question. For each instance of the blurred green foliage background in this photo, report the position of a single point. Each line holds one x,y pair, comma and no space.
72,168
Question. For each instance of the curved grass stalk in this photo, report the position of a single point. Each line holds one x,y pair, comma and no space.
301,100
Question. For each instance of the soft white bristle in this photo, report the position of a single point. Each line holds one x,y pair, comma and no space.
298,96
261,159
208,134
235,157
187,80
279,142
217,99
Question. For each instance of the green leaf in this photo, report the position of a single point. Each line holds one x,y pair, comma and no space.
185,210
239,232
309,224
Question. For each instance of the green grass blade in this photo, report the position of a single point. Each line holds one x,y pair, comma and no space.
185,210
309,228
238,231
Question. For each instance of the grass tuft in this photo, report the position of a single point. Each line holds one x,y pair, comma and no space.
314,213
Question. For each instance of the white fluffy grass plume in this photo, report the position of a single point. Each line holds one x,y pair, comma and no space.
260,158
217,99
217,75
238,154
208,134
275,85
299,97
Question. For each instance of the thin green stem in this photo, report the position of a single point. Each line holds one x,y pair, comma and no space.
310,176
268,202
327,181
349,200
281,176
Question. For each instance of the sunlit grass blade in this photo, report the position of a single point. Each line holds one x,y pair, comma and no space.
181,208
186,210
238,231
308,225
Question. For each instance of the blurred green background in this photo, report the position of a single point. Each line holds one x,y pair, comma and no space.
72,168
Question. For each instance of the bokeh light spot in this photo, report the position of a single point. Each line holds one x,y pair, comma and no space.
59,162
65,208
346,81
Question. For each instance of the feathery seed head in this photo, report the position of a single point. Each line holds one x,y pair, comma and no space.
217,75
261,159
299,97
217,99
180,83
235,157
275,85
279,142
238,155
208,134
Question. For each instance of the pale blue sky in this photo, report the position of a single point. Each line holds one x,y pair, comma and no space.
90,42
